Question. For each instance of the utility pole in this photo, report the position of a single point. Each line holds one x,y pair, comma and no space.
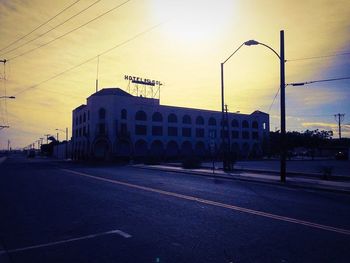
226,133
283,109
47,138
339,118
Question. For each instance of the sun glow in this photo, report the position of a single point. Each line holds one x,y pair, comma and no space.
194,20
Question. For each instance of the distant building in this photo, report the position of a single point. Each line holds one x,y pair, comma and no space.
115,124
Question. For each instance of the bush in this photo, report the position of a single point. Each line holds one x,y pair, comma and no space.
152,160
327,172
191,162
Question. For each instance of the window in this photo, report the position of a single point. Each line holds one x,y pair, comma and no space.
76,120
199,133
200,120
245,135
123,114
141,116
186,132
235,123
172,118
80,120
255,135
157,130
76,133
186,119
102,114
84,131
157,117
140,129
245,124
212,122
255,125
88,115
172,131
84,117
235,134
264,125
79,132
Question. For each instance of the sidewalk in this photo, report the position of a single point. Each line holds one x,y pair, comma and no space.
294,181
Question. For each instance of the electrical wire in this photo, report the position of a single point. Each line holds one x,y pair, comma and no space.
48,31
71,31
273,101
315,81
92,58
320,57
41,25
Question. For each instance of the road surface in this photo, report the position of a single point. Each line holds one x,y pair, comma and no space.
63,212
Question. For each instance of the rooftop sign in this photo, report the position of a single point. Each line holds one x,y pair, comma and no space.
142,81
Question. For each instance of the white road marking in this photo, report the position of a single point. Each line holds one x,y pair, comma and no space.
218,204
50,244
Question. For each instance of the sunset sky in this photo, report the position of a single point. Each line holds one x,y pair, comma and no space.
179,42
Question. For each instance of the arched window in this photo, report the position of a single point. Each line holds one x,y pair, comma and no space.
245,124
172,118
186,119
123,114
141,116
199,120
157,117
235,123
212,121
255,125
102,114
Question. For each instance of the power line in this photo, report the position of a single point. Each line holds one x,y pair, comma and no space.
48,31
273,101
319,115
315,81
92,58
75,29
41,25
320,57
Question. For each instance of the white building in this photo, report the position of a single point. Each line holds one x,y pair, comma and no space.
115,124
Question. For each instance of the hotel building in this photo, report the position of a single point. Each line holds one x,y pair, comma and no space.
115,124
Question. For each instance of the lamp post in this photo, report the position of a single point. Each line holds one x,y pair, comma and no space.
281,58
66,132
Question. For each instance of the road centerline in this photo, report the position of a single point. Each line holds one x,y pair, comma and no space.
217,204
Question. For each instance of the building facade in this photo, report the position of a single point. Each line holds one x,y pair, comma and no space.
115,124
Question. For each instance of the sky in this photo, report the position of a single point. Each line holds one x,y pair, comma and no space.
53,49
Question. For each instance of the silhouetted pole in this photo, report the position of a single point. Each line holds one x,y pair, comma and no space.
67,143
283,110
339,118
222,118
47,138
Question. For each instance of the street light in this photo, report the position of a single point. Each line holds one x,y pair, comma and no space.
66,132
281,58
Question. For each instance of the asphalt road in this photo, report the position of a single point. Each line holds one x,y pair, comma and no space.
63,212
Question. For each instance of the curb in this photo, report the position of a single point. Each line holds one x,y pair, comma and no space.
304,185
